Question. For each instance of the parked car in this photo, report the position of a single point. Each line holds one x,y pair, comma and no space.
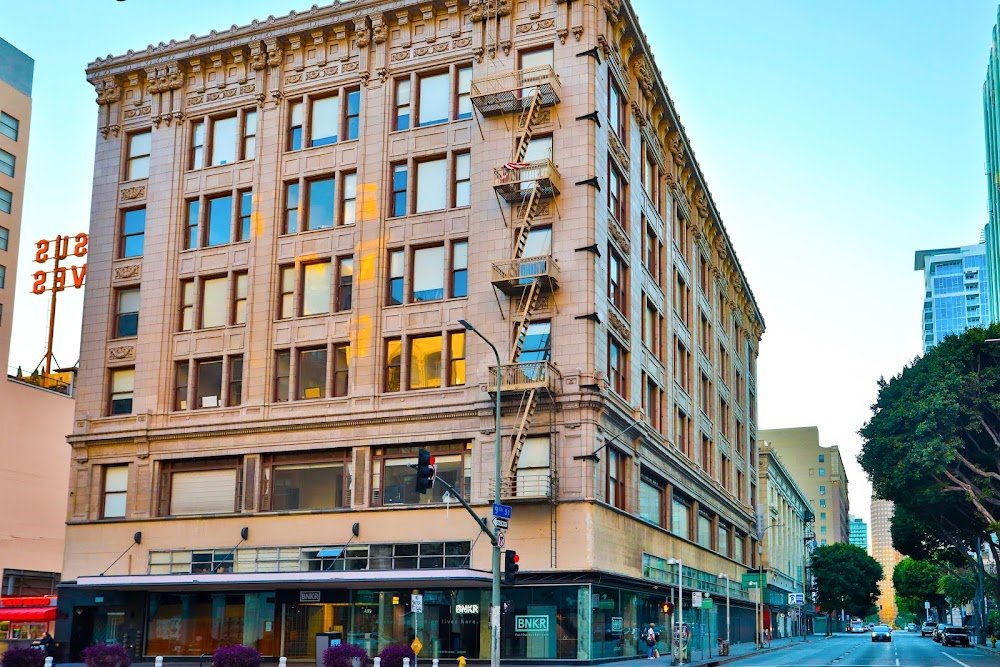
938,629
954,636
927,628
881,633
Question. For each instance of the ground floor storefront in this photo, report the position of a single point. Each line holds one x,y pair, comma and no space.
571,617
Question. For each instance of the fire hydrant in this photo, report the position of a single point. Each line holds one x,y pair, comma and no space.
462,660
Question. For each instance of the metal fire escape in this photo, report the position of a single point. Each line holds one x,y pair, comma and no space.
524,185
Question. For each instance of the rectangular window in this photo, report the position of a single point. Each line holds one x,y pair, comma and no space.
651,501
234,395
282,374
9,125
4,237
208,384
224,141
295,127
616,194
682,431
616,117
680,520
822,502
291,208
214,310
203,492
393,364
396,276
133,232
341,369
308,486
320,204
345,283
187,305
456,359
392,476
463,182
537,343
464,93
7,201
193,213
286,301
127,317
707,456
822,490
220,221
243,230
617,277
139,146
6,163
704,531
241,283
434,97
425,362
324,120
651,328
348,210
822,472
617,367
722,541
432,190
115,491
650,178
311,372
652,253
122,386
460,269
353,114
249,135
616,478
428,273
316,288
653,393
402,104
197,145
822,458
399,185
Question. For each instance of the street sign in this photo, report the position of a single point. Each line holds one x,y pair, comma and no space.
501,539
417,645
707,603
501,511
796,598
927,605
417,607
696,599
759,522
500,523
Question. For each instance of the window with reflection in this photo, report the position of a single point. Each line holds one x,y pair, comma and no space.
341,369
133,232
345,283
311,373
456,358
220,221
428,273
434,95
316,288
209,383
425,362
127,317
651,492
139,146
122,383
316,482
393,364
214,308
320,204
392,473
282,374
680,521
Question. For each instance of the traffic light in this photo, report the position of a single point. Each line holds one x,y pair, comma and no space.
510,566
426,471
668,608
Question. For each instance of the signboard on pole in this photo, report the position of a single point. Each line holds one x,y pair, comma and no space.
501,511
759,522
417,603
696,599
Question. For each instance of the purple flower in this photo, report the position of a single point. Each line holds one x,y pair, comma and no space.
22,656
236,656
106,655
392,655
343,654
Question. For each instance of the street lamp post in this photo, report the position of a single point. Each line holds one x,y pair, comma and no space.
723,575
495,610
680,606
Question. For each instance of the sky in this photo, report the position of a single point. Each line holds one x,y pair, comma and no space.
837,138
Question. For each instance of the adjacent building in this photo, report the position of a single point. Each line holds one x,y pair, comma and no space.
300,228
858,535
887,557
991,123
37,411
788,530
956,291
819,472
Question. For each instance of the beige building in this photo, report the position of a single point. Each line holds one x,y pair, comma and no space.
34,473
787,527
290,221
820,473
887,557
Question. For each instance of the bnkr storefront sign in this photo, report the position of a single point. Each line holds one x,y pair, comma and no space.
531,624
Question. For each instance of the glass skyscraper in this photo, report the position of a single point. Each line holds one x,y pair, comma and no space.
956,291
991,118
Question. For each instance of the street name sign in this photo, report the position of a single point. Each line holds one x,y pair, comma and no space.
501,511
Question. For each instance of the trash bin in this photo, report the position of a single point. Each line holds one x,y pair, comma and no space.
325,640
723,647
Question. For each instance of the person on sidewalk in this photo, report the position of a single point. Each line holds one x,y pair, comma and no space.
651,640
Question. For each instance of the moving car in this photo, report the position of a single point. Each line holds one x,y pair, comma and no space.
927,628
881,633
856,626
911,627
954,636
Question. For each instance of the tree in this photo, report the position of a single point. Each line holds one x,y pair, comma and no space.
958,587
846,578
916,582
932,447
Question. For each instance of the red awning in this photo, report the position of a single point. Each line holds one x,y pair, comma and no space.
27,613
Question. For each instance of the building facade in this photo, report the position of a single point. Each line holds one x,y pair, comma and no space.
887,557
859,532
291,221
991,124
788,530
956,291
820,473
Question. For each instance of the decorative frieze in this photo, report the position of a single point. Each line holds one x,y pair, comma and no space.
617,324
534,26
121,353
128,272
136,192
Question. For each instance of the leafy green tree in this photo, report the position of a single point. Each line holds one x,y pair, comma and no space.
846,578
958,587
917,581
932,447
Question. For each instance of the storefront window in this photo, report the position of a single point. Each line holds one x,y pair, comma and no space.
543,623
189,624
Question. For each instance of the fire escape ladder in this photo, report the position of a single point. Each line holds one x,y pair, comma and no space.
528,119
529,299
530,211
527,413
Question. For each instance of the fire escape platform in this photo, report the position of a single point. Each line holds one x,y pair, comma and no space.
511,92
514,182
513,277
525,376
524,487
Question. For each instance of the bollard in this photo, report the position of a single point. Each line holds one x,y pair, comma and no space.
377,662
48,661
282,661
158,662
406,662
434,662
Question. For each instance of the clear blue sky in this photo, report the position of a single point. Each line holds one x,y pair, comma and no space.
836,138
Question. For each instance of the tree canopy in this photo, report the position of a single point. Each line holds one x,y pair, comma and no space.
932,447
916,582
846,578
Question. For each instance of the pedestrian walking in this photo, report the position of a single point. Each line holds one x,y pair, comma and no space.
651,638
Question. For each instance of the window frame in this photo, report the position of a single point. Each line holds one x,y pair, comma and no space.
201,152
8,163
617,367
124,236
10,126
615,480
117,327
107,494
122,395
342,458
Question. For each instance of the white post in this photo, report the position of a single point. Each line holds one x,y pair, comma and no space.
728,640
282,662
158,661
377,662
680,604
406,662
434,662
48,661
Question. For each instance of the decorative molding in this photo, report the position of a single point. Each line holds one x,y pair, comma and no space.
619,236
221,95
534,26
121,352
135,113
619,325
618,151
136,192
293,78
128,272
462,43
399,56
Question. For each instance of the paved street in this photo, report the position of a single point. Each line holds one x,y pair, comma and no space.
905,650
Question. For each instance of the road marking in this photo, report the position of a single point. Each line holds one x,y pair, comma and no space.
955,659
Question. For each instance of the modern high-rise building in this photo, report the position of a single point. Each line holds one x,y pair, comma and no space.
956,291
819,472
859,532
296,225
887,557
991,123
